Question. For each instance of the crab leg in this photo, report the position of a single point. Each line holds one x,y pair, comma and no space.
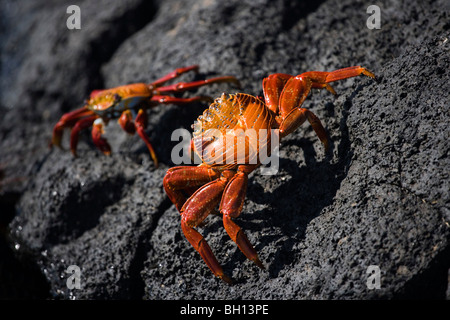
231,207
172,75
179,101
183,86
340,74
79,125
193,212
140,124
126,122
320,79
297,89
294,94
297,117
67,120
272,87
180,179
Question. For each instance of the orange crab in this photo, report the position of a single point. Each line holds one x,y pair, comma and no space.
197,190
121,102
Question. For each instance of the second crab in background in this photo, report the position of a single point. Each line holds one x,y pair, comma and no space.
124,101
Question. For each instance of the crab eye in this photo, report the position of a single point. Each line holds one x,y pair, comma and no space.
117,97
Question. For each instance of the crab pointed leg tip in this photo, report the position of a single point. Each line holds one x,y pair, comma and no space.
369,74
155,160
259,263
331,89
195,68
226,278
56,141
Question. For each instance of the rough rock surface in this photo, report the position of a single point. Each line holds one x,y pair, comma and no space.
381,197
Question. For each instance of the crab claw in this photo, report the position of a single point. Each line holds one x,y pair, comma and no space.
100,142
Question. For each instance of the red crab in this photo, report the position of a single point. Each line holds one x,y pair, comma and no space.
196,191
121,102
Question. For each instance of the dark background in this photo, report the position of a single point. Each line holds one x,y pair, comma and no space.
380,198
